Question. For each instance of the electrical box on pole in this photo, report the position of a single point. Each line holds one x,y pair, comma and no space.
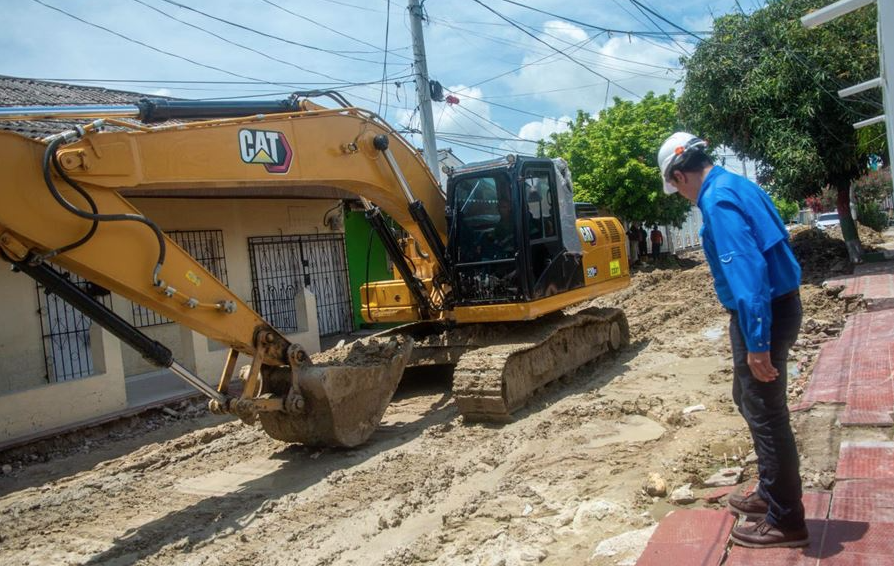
423,90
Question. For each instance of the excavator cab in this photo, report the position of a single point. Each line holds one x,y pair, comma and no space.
504,219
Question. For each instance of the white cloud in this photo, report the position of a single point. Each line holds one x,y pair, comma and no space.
568,86
544,128
161,92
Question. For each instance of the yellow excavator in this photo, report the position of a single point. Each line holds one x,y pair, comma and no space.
488,272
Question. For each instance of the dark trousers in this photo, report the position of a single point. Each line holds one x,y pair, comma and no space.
765,408
656,250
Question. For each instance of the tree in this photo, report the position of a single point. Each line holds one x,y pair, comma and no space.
788,209
613,159
766,87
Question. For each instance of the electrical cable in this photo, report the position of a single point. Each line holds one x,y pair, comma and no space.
539,92
669,36
234,43
569,57
499,127
665,20
497,104
592,26
333,30
344,54
156,49
385,63
588,61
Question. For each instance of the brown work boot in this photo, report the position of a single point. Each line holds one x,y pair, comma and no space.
764,535
751,505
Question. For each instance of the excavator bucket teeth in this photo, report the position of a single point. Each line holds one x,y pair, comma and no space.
346,392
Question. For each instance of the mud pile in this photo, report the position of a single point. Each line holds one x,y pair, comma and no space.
369,351
820,255
868,236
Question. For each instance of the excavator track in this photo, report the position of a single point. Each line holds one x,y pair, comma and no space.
492,382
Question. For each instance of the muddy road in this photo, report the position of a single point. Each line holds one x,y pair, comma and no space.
557,486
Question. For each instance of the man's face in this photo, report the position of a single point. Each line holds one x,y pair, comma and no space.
687,184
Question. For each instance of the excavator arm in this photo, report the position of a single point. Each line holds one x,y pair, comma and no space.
60,203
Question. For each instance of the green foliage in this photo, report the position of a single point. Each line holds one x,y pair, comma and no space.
788,209
869,191
613,159
766,87
871,214
874,186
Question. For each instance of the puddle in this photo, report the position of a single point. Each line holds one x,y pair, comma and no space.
632,429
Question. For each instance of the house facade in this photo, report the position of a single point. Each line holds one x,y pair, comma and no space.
283,251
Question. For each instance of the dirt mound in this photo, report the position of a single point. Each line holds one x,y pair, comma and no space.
370,351
820,255
868,236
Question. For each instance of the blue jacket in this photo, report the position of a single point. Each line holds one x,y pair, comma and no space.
747,248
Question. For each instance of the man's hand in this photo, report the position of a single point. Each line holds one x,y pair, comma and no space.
761,367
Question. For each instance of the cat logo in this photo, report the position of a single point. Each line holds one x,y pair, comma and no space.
270,149
588,235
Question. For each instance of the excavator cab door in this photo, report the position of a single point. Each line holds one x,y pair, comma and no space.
506,240
484,240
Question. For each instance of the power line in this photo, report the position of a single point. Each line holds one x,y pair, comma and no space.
385,62
333,30
488,37
591,62
487,137
236,44
642,6
495,39
522,66
156,49
497,104
669,36
499,127
592,26
647,40
538,92
569,57
343,54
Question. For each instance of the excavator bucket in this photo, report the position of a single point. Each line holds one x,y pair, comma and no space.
346,391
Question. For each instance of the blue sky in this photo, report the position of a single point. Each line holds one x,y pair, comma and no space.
511,85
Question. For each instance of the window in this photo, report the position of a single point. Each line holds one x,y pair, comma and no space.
541,205
485,224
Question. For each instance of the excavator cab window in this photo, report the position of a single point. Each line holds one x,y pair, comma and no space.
484,237
540,198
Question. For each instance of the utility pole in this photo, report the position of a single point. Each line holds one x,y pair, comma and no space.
423,90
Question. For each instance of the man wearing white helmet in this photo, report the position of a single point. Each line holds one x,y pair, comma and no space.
757,278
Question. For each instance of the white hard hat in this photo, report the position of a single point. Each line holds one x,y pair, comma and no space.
674,151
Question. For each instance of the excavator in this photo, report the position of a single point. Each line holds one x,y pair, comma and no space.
491,274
